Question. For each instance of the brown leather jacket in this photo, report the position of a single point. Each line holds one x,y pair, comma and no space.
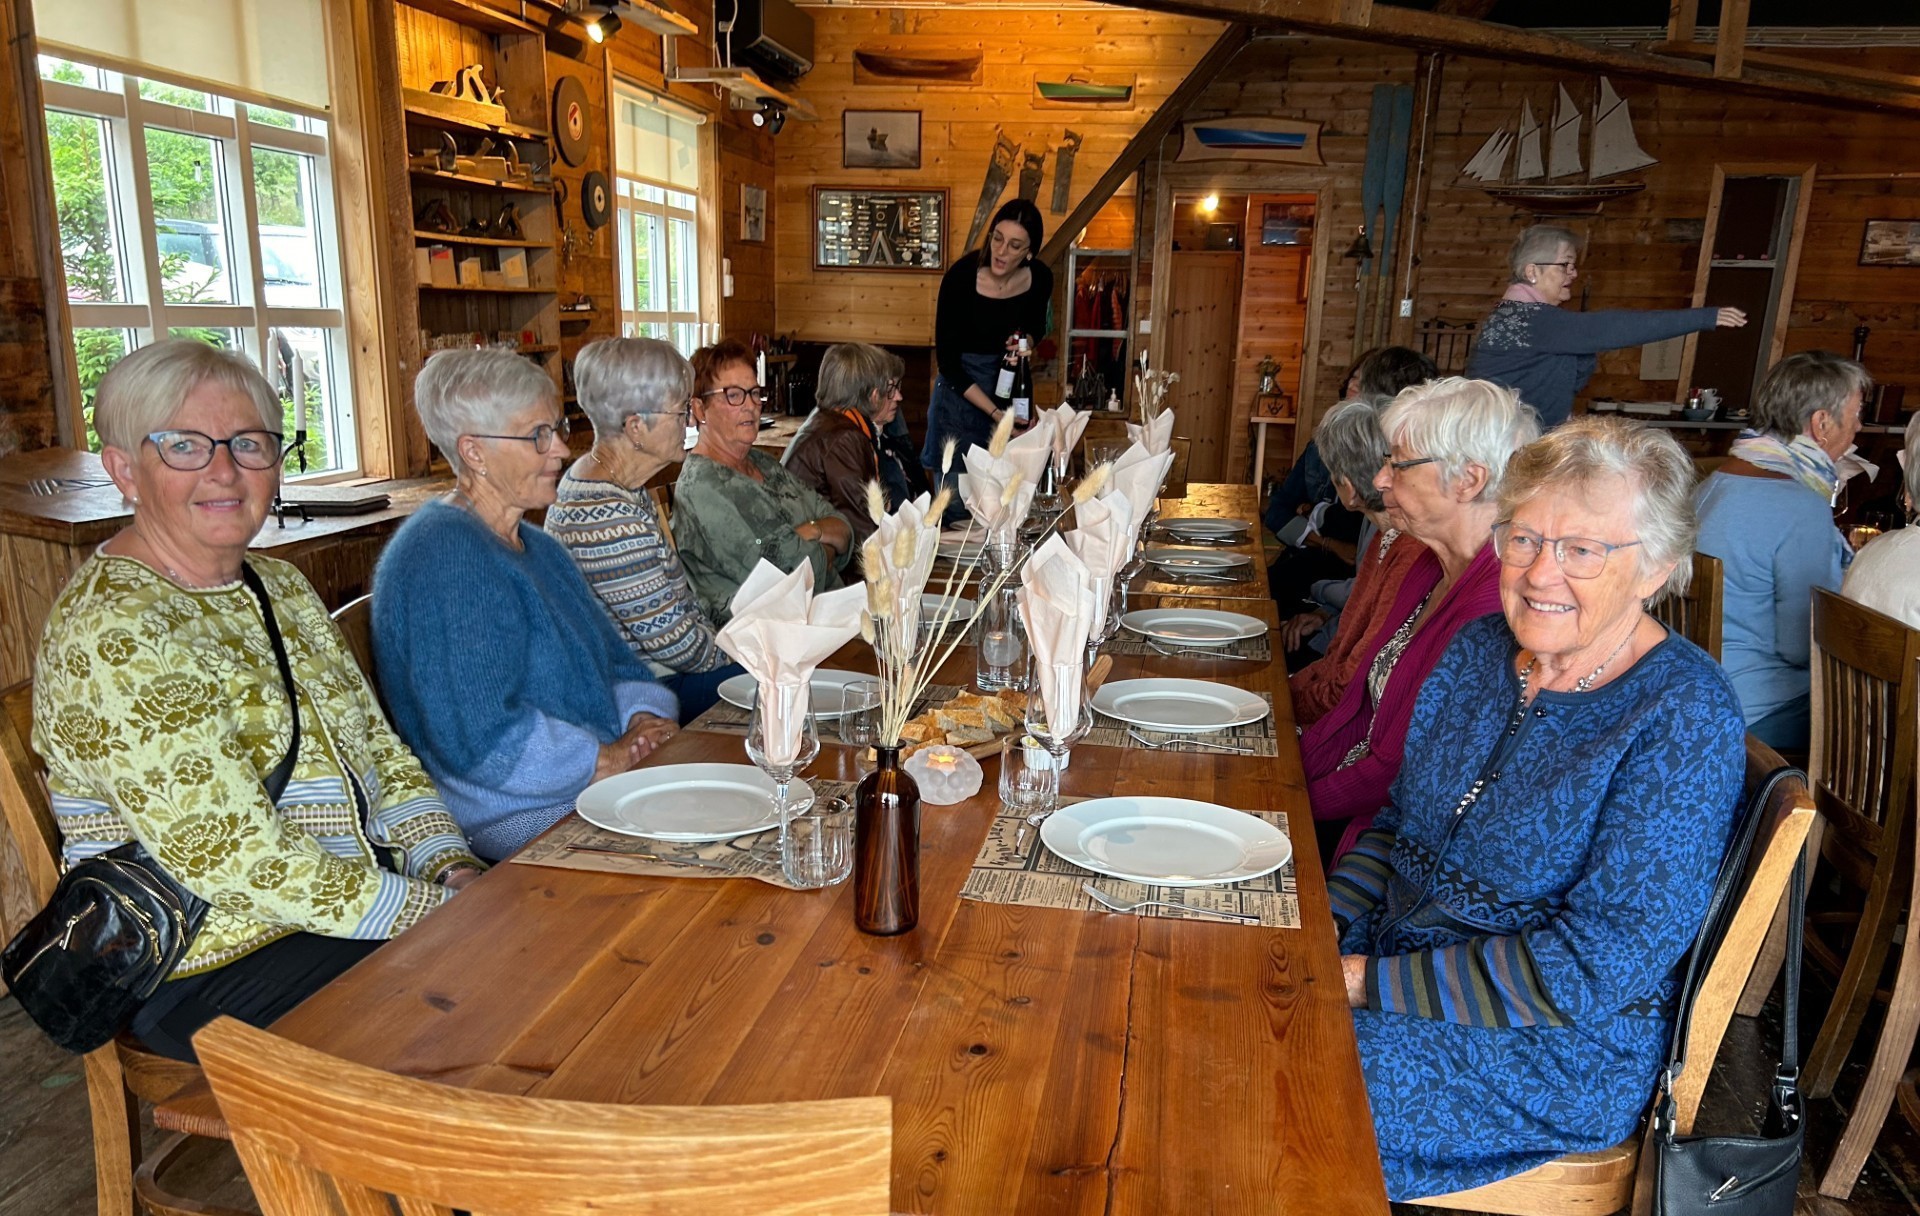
836,456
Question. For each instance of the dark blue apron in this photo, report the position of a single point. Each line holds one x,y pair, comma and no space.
952,415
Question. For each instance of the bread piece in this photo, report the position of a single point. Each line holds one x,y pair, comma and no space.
963,736
1015,698
1000,714
915,731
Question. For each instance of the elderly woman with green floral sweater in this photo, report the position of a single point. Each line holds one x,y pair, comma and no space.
159,707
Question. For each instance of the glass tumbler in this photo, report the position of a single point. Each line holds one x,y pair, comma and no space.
1029,783
820,845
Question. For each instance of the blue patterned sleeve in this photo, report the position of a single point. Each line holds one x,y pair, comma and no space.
1630,917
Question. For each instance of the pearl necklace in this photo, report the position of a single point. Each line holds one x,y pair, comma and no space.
1584,683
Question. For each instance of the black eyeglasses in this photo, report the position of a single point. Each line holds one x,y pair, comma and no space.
1578,556
190,451
1566,266
541,437
737,396
890,388
1401,466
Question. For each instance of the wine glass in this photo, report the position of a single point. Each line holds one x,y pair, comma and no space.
1116,594
771,707
1057,737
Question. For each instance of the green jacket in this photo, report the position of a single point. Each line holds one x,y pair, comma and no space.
723,522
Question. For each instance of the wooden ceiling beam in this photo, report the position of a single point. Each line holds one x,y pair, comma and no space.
1408,27
1475,9
1683,19
1146,139
1730,49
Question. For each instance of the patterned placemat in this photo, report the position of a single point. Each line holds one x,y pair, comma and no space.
575,844
1129,642
1256,738
1013,867
725,718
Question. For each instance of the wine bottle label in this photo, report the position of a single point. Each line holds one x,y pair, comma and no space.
1022,407
1003,388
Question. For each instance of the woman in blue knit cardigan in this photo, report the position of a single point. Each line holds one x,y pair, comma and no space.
498,665
1511,923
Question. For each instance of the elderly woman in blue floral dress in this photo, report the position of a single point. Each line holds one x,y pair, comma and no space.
1511,923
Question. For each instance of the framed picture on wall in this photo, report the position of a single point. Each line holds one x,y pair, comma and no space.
753,213
879,229
1890,243
880,139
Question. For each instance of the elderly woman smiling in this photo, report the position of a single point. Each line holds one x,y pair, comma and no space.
1512,921
1767,514
733,504
636,392
1449,441
162,715
501,668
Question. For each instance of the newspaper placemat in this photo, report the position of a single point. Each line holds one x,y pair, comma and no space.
1129,642
1253,739
1013,867
726,718
575,844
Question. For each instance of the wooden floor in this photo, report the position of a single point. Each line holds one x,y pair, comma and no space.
46,1163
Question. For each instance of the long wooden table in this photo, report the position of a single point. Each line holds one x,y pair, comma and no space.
1223,500
1040,1061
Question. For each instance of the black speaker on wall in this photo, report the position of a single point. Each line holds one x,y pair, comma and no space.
773,37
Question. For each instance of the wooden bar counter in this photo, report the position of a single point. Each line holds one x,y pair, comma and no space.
1041,1061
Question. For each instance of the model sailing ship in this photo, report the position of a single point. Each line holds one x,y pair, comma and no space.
1614,151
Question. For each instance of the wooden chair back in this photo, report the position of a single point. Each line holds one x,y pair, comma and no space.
355,619
23,794
317,1133
1604,1182
1696,614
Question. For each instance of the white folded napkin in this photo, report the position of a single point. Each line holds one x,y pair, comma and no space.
1104,542
1056,603
897,559
1156,435
998,491
1067,425
1139,474
780,632
1031,451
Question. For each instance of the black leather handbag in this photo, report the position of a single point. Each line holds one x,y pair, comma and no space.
1736,1175
118,924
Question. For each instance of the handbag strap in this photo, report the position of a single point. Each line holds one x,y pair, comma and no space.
276,781
1713,929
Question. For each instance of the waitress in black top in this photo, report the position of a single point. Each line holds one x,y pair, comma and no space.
987,296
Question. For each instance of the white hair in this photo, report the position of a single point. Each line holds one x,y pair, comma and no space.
475,392
1462,423
143,391
1537,246
617,378
1658,472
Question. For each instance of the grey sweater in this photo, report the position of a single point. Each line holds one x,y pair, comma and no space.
1546,354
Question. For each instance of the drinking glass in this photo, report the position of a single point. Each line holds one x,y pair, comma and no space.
819,849
859,713
1029,784
1057,737
782,772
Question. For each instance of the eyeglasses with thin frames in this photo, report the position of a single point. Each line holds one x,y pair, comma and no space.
1401,466
1579,556
541,437
1569,267
191,451
736,396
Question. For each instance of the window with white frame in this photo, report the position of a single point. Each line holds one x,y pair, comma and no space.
657,177
186,213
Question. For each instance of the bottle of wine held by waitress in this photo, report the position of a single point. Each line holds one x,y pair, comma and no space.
1003,384
1022,396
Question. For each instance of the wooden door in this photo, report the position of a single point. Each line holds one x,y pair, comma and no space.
1202,331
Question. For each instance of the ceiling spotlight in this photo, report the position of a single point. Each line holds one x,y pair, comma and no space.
604,26
771,115
1210,204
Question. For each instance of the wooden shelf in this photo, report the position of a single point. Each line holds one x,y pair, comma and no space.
449,238
658,19
743,84
485,183
474,13
499,291
434,118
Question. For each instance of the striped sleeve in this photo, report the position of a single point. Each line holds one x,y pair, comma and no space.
1359,882
1483,981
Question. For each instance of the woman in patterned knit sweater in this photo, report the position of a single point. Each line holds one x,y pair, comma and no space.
637,392
1511,923
159,707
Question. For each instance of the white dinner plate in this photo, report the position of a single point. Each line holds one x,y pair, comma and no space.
685,803
1208,526
1196,559
935,607
824,697
960,550
1179,705
1194,626
1174,842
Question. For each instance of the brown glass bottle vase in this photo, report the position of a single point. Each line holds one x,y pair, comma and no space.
886,864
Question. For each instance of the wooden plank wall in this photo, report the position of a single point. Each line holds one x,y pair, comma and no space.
26,376
957,136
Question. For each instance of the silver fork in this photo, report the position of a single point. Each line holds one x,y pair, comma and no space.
1120,905
1202,651
1156,745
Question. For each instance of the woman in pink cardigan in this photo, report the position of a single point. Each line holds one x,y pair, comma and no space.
1450,440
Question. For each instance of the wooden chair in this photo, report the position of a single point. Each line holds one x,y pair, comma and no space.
310,1126
121,1074
1696,615
1596,1183
355,619
1865,721
662,496
1895,1046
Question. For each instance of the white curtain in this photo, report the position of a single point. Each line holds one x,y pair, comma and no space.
656,140
269,50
